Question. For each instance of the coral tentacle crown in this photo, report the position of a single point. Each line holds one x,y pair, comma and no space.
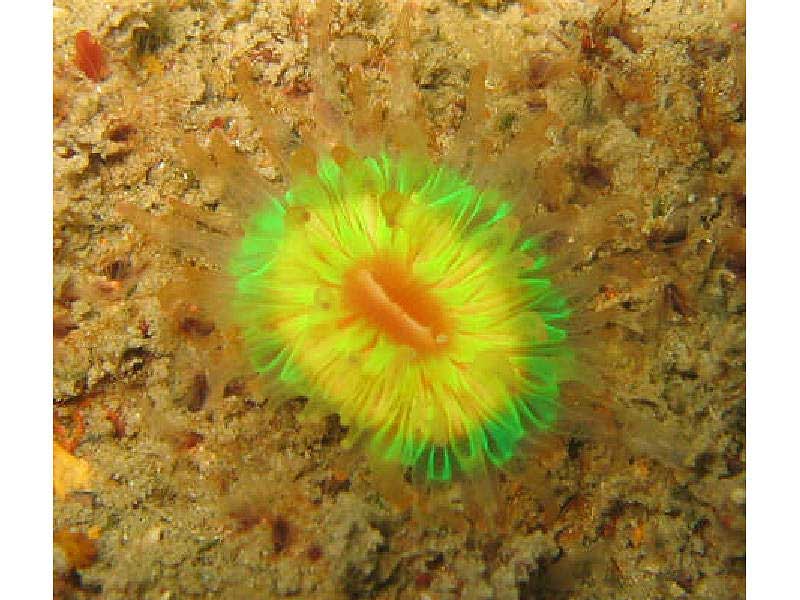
405,300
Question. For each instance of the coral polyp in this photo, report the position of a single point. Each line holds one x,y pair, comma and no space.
395,293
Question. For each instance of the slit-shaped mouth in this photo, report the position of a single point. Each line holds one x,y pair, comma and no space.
385,293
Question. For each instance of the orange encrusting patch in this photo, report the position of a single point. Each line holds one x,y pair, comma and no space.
385,293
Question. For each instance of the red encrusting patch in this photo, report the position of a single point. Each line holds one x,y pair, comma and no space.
385,293
90,57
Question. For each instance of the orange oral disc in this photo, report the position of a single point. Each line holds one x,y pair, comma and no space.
386,294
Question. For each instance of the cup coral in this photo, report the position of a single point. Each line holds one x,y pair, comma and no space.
396,291
400,296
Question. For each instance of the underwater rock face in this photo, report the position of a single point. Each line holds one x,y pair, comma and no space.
619,146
